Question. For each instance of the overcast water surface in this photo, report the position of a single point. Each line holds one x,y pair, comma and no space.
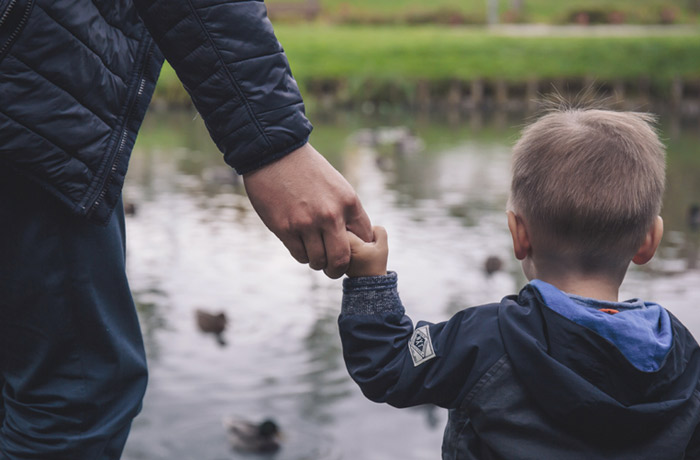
439,186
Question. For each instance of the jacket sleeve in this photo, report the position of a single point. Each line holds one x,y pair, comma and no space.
404,366
230,62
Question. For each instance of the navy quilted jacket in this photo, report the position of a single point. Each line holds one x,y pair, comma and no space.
522,382
76,78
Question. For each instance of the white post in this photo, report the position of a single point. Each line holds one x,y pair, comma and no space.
492,10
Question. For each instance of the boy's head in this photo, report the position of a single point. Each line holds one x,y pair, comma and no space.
588,185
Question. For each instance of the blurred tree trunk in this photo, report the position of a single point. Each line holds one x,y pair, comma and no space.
516,6
492,11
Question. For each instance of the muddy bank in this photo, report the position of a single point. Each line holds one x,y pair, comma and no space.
680,96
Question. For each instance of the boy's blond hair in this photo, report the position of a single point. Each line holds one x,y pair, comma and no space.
589,183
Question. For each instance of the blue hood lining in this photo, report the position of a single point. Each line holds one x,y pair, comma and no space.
641,330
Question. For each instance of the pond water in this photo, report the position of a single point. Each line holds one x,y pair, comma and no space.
439,186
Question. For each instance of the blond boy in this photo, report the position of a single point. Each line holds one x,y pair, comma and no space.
563,370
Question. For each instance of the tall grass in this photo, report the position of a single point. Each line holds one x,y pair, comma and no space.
406,55
541,11
439,53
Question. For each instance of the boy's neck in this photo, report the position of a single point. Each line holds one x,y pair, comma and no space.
594,287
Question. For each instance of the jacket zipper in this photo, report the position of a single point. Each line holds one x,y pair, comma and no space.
20,24
7,11
125,131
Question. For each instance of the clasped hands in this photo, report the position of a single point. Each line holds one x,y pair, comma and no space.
311,208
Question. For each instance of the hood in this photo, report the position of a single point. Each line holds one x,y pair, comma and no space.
585,382
640,330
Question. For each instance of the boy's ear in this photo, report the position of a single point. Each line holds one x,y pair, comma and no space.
521,240
648,248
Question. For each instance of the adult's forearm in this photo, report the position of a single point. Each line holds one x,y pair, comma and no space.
229,60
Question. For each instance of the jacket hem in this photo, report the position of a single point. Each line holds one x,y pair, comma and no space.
271,158
99,209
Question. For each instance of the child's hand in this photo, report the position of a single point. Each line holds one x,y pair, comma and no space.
368,259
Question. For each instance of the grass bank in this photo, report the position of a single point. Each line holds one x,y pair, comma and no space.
540,11
354,57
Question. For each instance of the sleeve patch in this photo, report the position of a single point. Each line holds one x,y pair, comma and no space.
420,346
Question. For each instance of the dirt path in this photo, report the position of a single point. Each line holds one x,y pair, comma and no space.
545,30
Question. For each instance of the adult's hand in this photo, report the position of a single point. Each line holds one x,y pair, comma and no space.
309,205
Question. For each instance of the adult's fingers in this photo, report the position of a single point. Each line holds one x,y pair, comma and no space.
359,223
337,251
296,248
315,250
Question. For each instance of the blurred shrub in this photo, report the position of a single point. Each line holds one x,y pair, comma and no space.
512,16
591,16
664,14
446,16
442,16
669,14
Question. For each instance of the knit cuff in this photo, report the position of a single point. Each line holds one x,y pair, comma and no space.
367,295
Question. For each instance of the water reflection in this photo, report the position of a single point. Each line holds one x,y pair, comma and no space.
439,186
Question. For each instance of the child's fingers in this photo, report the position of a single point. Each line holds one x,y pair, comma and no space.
355,241
380,236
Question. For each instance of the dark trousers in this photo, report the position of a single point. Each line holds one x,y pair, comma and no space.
72,364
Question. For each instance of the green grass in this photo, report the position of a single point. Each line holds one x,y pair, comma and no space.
405,55
439,53
541,11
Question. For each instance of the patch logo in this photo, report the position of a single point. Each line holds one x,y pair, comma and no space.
420,346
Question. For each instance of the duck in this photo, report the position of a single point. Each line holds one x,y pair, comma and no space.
212,323
246,436
492,264
129,208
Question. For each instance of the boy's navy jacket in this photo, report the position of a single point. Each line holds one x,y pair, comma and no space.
77,76
522,381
